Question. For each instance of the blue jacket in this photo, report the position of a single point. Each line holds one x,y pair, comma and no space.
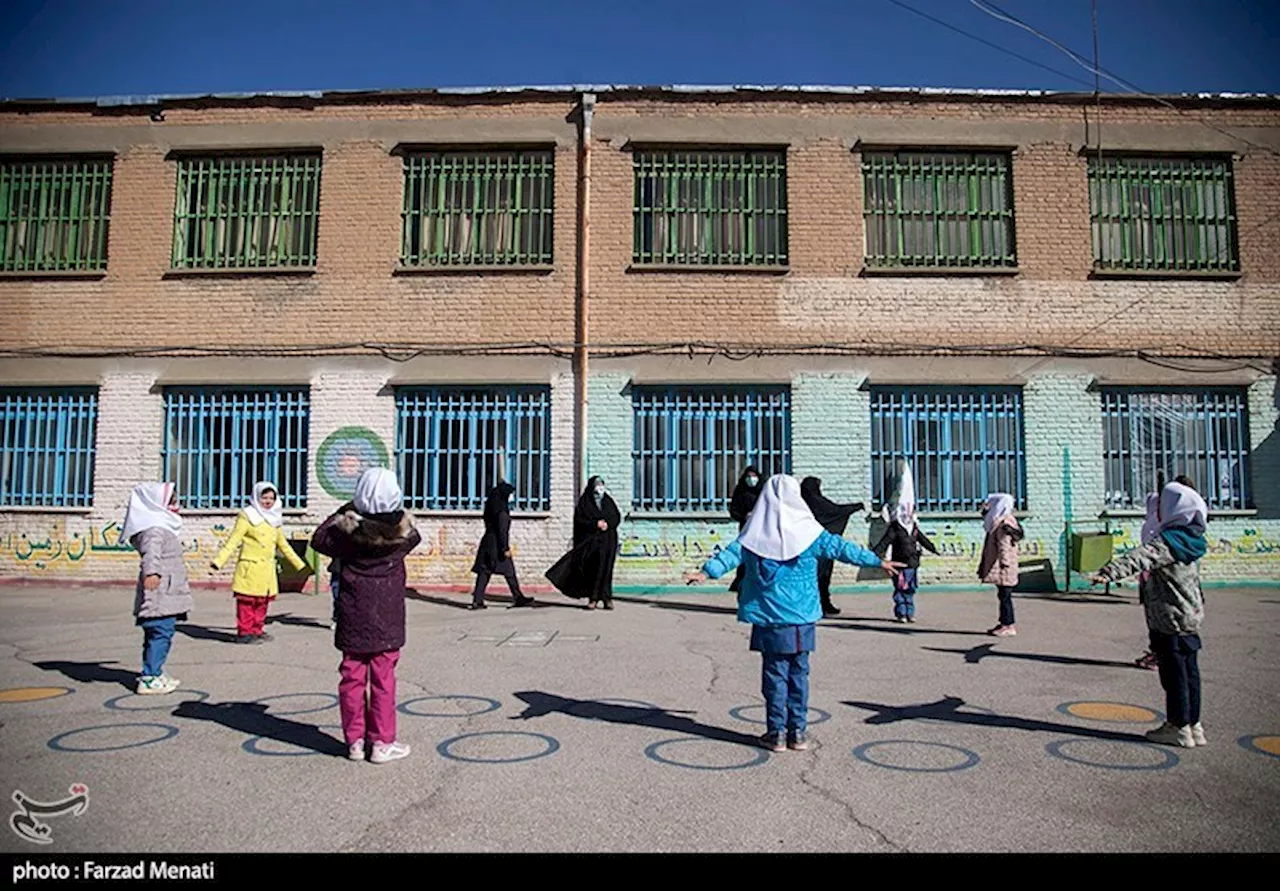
786,593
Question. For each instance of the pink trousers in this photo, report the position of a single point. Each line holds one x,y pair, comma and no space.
367,696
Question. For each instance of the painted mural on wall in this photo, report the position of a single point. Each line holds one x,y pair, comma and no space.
345,454
50,548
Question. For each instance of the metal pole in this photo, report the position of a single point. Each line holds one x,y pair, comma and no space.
583,289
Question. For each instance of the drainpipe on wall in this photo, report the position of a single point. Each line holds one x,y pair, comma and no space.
582,330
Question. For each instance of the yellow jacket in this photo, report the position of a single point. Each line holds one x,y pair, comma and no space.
256,568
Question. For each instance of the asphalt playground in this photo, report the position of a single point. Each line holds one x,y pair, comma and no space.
557,729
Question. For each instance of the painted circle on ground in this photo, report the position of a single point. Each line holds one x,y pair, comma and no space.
446,748
115,702
345,455
299,711
253,747
621,703
1263,745
1164,758
34,694
59,742
970,759
1111,712
758,756
736,712
491,705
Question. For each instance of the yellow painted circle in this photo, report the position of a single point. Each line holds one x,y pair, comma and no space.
1111,711
32,694
1268,744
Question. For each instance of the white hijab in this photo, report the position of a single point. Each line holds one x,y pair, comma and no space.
259,514
1182,506
378,492
781,526
904,511
999,506
1151,524
148,509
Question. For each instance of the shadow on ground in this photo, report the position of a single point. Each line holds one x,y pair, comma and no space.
200,632
493,600
92,672
948,710
251,718
299,621
984,651
540,704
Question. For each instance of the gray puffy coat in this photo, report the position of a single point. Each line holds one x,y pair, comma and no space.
161,554
1173,599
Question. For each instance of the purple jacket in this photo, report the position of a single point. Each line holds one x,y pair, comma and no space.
371,550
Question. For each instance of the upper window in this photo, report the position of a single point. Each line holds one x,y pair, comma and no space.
54,214
453,444
253,212
1202,433
220,441
1162,214
963,444
710,208
478,208
691,444
46,453
938,210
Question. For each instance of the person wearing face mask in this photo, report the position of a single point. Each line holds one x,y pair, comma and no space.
745,495
999,562
493,555
833,518
587,570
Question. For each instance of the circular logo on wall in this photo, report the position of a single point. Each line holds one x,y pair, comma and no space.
345,455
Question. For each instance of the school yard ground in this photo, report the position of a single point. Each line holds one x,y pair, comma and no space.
558,729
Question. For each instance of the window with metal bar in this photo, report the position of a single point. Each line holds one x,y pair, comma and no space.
963,444
1162,214
453,444
691,444
710,208
938,209
47,446
219,441
251,212
54,214
478,208
1203,433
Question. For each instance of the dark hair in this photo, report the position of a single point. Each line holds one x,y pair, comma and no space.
1185,480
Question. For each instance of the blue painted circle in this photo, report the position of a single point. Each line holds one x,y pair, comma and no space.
300,711
1065,709
553,745
58,743
1170,759
736,712
1246,743
493,706
250,745
759,756
620,703
970,758
114,702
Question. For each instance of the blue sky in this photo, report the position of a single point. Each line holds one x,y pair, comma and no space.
115,47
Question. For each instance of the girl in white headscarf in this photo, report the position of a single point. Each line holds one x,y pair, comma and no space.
780,547
999,563
258,534
1150,529
163,596
903,535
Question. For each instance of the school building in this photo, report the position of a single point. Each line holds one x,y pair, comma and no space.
1054,295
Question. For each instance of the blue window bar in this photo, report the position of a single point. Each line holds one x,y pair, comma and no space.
47,450
692,443
219,441
453,444
963,444
1202,433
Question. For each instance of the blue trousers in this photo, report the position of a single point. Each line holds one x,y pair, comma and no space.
157,638
1178,657
904,593
785,686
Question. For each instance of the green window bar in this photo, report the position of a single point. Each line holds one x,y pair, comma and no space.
1163,214
478,208
54,214
710,208
938,210
256,212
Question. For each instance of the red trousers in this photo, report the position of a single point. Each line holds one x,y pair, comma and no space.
251,613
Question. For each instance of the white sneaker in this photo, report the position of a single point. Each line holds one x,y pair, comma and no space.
1169,735
355,751
173,683
155,686
384,752
1197,733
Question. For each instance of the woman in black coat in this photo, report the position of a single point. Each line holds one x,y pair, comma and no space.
745,495
493,556
834,518
587,570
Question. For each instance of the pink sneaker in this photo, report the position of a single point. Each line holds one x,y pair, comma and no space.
1004,631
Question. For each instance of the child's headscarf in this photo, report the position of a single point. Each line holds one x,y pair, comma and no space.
1184,515
149,509
1151,524
259,514
781,527
378,492
903,509
999,506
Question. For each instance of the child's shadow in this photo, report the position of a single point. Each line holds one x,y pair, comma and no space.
539,703
92,672
200,632
252,718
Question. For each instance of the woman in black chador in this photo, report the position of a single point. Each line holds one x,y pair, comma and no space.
493,556
834,518
587,570
745,495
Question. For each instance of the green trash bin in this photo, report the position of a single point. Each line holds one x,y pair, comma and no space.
1090,551
293,581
